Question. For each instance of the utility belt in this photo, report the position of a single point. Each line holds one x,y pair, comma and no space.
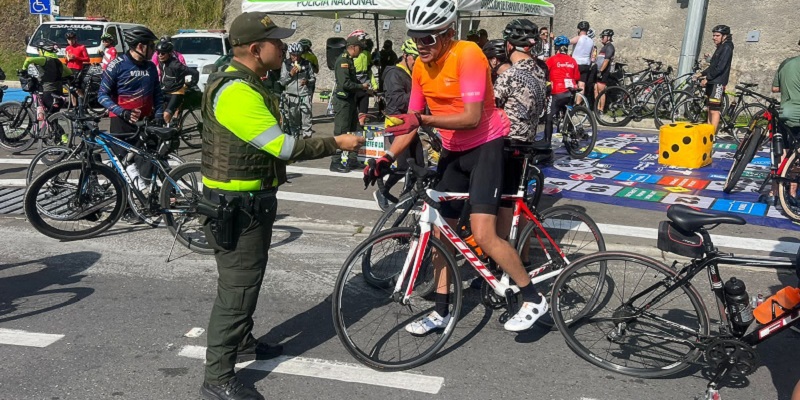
228,214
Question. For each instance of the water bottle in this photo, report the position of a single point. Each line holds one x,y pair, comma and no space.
739,311
756,300
469,239
40,113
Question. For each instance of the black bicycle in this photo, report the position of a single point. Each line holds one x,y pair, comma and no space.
649,320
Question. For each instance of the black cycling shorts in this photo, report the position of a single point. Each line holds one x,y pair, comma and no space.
605,76
362,102
715,92
584,70
172,102
478,171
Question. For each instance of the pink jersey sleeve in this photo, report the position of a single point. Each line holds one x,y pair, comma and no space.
472,74
417,100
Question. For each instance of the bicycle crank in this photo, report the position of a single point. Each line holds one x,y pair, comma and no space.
740,357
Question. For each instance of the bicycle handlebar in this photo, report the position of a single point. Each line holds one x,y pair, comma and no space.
770,100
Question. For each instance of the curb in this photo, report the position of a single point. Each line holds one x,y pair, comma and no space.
12,84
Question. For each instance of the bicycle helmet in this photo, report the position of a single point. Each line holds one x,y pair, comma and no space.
583,26
521,33
139,34
723,29
495,49
108,37
164,47
305,43
561,41
409,47
429,16
607,32
359,33
294,48
590,33
47,46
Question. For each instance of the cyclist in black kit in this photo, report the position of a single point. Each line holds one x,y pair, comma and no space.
173,79
715,77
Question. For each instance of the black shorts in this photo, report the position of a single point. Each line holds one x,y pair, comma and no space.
715,93
362,102
584,70
172,102
605,76
478,171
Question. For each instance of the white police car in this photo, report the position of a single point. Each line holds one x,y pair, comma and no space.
201,48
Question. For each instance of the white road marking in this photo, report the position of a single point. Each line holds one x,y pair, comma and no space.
339,371
25,338
606,229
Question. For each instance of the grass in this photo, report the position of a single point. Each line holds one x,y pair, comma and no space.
11,61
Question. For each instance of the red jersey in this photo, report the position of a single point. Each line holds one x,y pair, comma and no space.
564,73
80,56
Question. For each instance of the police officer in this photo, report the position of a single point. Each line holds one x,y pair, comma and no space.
244,161
344,100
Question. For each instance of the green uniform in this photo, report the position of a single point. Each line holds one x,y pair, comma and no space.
788,80
244,156
344,97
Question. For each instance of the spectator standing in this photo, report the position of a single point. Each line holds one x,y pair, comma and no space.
77,57
241,124
716,76
605,64
387,59
173,79
345,108
483,37
544,39
582,53
297,78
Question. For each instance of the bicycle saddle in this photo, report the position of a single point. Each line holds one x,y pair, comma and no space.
691,220
162,133
619,64
747,85
3,87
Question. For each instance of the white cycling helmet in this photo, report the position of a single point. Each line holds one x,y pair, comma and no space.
430,16
294,48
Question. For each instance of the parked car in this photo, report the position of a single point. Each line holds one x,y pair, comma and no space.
201,49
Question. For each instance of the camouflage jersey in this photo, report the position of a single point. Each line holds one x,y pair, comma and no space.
520,91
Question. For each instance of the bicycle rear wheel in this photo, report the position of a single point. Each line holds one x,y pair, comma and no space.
580,133
691,110
745,117
744,154
73,200
17,127
370,323
191,127
618,107
788,186
57,132
665,104
181,204
576,235
615,331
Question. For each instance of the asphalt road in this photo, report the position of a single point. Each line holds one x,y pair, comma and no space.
124,311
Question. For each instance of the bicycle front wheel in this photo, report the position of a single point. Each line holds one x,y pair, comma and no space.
744,153
787,187
619,329
744,118
579,132
575,235
370,321
17,126
617,110
180,201
665,104
191,127
73,200
691,110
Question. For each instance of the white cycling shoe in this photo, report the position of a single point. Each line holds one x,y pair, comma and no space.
427,324
526,316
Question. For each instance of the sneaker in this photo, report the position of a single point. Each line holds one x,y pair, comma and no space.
339,167
231,390
526,316
130,218
427,324
259,351
382,201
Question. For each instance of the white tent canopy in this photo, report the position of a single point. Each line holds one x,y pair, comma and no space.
393,8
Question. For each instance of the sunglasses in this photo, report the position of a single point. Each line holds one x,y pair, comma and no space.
429,40
163,53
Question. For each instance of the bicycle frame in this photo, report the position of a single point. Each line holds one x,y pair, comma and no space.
430,217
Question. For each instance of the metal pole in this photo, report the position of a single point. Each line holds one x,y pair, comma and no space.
692,34
550,38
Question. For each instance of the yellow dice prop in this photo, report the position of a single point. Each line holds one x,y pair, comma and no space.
685,145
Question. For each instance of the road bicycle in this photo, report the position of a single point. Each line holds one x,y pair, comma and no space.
649,320
578,129
190,119
784,165
635,102
681,88
370,320
735,115
81,198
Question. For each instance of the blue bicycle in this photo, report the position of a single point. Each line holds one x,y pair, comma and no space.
82,197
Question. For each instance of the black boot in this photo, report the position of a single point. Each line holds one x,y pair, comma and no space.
231,390
258,351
